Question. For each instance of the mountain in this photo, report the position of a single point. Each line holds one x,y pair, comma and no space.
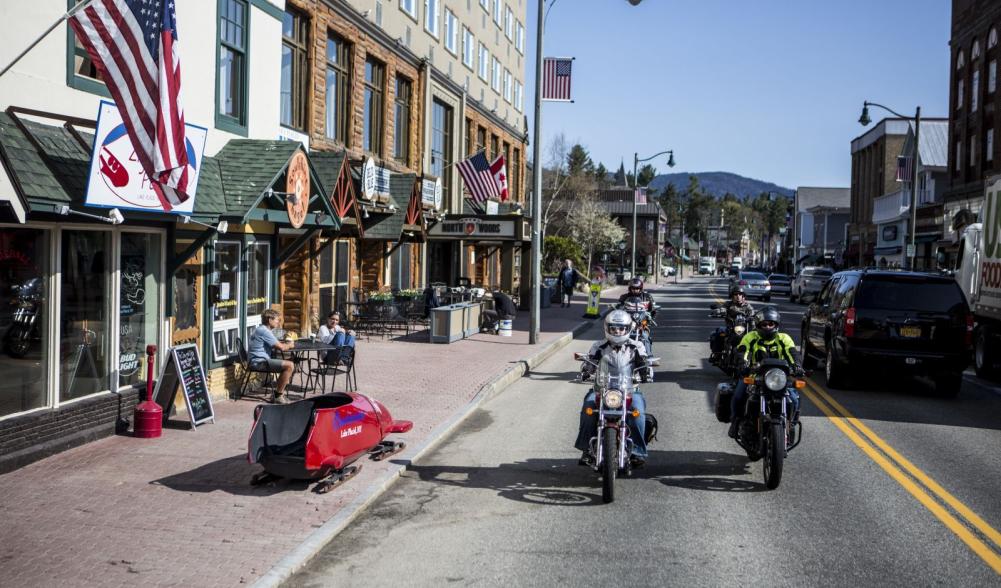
719,183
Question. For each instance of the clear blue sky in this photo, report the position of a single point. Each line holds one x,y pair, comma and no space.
769,89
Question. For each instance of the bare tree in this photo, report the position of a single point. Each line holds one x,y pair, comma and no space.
592,226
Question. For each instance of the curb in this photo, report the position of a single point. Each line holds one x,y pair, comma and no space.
318,539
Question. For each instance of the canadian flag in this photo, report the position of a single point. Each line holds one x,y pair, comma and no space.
499,170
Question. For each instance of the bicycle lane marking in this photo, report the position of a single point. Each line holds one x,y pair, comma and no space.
845,423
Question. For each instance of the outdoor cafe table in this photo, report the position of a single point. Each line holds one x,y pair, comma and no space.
304,347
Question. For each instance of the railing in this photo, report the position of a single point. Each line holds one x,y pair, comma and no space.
891,206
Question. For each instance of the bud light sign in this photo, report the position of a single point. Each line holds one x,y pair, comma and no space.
117,179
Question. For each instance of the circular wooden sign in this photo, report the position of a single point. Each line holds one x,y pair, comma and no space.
297,188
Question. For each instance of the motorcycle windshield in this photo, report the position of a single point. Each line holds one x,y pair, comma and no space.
615,371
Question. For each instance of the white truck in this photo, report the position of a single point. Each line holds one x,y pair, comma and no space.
737,263
978,271
707,266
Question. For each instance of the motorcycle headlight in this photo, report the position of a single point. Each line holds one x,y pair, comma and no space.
775,379
613,399
739,329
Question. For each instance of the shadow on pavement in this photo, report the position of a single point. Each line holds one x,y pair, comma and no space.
231,475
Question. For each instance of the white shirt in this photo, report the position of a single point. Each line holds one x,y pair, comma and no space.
326,335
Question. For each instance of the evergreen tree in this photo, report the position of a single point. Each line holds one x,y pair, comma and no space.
601,175
620,176
579,161
646,175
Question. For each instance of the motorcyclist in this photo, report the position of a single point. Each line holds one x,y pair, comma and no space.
766,340
736,305
636,291
617,325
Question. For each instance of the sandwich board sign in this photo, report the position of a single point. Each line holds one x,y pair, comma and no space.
183,370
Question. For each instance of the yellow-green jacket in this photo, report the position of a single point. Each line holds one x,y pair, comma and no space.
780,347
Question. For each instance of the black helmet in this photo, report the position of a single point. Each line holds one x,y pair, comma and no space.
635,284
768,323
736,289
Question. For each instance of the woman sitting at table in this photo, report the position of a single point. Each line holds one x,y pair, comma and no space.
262,344
333,333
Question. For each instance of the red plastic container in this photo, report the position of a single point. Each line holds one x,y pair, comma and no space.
148,416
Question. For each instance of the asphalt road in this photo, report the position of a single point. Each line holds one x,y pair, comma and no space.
904,494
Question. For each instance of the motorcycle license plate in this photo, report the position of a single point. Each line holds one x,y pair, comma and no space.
910,332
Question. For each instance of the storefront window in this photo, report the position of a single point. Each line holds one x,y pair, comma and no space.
139,308
258,292
225,297
23,319
400,267
84,313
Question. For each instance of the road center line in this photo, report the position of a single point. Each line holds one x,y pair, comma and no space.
843,423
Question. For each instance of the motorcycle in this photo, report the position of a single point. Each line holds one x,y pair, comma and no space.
614,386
767,432
728,360
23,331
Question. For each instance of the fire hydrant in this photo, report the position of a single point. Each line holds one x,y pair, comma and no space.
148,416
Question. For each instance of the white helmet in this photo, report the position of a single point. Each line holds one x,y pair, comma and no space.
618,323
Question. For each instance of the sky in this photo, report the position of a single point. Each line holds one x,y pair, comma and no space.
768,89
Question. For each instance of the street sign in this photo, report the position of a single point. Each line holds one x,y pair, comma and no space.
910,251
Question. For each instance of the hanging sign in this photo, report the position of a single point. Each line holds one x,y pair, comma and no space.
473,227
117,180
297,189
375,180
492,206
183,370
431,192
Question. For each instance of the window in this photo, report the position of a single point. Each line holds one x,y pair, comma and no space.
494,147
232,74
441,145
468,48
975,91
139,305
959,155
84,312
451,33
518,96
495,74
485,4
507,85
508,23
225,299
295,70
992,76
481,139
959,94
258,284
401,129
338,88
973,151
515,173
409,6
992,38
989,152
975,52
431,17
519,38
960,60
400,264
484,62
497,13
24,377
375,73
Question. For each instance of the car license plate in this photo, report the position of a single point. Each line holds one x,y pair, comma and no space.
911,332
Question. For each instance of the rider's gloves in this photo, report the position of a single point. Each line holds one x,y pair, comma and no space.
798,372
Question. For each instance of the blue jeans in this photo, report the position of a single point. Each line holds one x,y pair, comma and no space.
344,341
739,401
637,426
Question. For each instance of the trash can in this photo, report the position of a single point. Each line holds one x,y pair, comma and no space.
545,296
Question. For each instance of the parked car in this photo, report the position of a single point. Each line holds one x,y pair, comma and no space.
668,270
890,322
755,284
781,284
809,282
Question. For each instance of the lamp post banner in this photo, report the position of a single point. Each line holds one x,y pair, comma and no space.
117,179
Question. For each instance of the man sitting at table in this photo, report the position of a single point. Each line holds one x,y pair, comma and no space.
333,333
262,344
504,308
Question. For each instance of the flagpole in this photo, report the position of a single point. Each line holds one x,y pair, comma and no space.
62,18
536,281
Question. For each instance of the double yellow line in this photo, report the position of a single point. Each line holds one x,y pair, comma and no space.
916,482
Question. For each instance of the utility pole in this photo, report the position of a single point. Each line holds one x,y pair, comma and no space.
536,281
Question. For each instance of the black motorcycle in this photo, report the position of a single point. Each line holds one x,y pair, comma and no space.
728,360
24,328
768,431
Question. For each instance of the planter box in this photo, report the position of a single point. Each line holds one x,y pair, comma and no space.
455,321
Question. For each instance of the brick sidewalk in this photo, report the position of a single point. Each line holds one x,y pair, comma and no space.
179,511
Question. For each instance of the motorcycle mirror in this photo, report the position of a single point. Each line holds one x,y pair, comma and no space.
713,306
578,356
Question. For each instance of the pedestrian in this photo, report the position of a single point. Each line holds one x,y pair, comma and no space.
504,308
333,333
567,281
262,345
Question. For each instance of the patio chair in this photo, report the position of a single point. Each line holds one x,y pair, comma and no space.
327,366
269,384
341,362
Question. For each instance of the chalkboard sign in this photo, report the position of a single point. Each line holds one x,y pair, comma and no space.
184,368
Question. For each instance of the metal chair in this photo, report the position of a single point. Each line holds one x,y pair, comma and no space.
268,384
346,366
326,367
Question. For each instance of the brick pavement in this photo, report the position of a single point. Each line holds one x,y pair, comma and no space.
179,511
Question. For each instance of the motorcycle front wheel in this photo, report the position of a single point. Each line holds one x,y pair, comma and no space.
774,454
18,343
610,464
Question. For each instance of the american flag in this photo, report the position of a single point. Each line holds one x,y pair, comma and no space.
478,177
133,45
640,195
499,170
556,78
905,173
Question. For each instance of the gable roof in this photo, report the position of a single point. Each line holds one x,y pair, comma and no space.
56,173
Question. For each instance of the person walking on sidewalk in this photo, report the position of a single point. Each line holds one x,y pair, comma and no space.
262,344
568,281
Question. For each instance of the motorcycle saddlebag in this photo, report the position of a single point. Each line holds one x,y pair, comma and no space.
651,427
724,393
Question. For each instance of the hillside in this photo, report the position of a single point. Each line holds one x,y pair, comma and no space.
719,183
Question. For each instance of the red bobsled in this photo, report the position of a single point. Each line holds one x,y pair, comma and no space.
319,438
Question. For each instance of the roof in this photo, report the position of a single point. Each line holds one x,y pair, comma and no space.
934,143
626,208
811,197
58,173
389,227
248,167
328,166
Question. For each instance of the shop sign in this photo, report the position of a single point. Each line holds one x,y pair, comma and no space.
473,227
285,134
492,206
128,364
375,180
890,233
117,180
297,189
431,192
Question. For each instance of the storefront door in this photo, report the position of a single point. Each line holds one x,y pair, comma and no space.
84,312
139,308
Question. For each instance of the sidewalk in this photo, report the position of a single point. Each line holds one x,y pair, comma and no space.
179,510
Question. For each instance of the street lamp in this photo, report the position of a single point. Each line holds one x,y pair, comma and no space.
864,120
622,255
636,162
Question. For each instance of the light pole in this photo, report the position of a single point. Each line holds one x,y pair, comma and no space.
622,255
636,162
864,120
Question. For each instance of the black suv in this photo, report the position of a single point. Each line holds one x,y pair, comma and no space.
914,322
